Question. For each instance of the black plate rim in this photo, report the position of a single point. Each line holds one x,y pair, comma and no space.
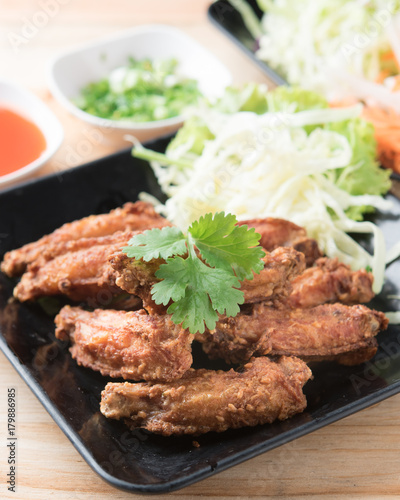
272,75
67,172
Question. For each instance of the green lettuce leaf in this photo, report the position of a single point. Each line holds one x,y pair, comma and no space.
363,175
294,99
195,130
251,97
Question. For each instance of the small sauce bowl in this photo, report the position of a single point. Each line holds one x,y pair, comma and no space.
48,129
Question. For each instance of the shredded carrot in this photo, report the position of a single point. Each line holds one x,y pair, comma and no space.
387,131
396,86
386,122
389,66
343,103
387,134
383,74
388,56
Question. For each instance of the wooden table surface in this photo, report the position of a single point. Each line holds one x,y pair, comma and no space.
357,457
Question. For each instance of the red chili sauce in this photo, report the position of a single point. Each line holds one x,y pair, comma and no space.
21,141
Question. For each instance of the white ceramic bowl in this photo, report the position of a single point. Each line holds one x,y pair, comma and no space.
71,71
29,106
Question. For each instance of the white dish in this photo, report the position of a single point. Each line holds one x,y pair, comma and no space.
29,106
71,71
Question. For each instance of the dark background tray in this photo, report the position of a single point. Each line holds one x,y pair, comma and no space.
226,18
139,461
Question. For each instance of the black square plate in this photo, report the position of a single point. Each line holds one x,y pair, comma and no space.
139,461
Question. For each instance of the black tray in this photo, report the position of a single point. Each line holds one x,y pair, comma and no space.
225,17
139,461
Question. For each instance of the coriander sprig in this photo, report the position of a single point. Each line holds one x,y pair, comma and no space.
203,269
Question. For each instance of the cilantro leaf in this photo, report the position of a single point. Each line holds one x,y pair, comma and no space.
227,246
201,292
201,276
193,311
156,243
173,284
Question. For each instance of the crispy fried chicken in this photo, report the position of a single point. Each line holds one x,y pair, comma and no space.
322,332
283,317
132,345
272,284
132,216
283,233
82,272
205,400
330,281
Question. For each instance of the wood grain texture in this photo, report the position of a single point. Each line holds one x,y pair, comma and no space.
356,458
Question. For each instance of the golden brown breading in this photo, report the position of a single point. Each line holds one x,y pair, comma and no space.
206,400
132,345
137,278
325,330
272,283
275,232
330,281
82,273
309,247
317,333
283,233
132,216
362,352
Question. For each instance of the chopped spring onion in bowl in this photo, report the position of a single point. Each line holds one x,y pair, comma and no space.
141,91
307,163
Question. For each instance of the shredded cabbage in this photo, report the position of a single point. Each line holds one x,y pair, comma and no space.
310,43
393,317
291,165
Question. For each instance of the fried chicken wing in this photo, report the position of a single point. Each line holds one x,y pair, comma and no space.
137,278
330,281
316,333
271,284
309,247
128,344
82,273
206,400
361,353
283,233
275,232
132,216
